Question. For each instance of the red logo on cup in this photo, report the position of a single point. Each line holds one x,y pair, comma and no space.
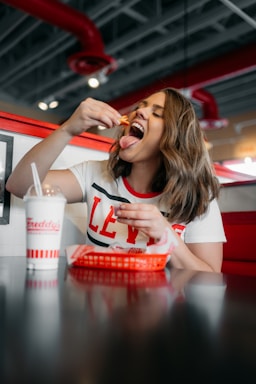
44,226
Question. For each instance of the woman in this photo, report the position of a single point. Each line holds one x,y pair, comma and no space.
158,175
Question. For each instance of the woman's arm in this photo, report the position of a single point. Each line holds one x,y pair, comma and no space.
43,154
198,256
89,113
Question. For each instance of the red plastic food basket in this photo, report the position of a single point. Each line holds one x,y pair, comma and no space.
121,261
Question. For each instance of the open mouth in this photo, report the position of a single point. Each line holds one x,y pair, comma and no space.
135,134
136,130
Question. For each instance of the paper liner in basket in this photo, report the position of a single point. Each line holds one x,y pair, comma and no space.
164,247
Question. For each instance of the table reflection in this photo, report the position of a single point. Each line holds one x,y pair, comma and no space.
106,292
79,325
41,312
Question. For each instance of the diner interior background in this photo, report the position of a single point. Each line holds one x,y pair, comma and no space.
206,48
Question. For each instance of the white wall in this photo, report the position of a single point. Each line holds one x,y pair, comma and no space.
12,235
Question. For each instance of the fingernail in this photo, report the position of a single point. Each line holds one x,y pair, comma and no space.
116,209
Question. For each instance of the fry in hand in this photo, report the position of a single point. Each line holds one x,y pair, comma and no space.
124,120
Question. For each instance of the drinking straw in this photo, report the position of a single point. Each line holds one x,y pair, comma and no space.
36,179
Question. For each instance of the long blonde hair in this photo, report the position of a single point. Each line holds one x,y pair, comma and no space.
186,177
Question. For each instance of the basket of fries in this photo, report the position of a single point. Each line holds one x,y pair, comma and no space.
121,259
152,258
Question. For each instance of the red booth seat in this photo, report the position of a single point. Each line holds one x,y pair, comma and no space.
239,252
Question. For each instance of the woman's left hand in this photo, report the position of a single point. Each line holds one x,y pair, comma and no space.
145,217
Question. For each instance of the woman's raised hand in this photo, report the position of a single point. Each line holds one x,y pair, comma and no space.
91,113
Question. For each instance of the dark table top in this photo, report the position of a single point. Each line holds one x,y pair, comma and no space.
78,325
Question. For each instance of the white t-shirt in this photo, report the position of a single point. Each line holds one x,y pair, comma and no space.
103,194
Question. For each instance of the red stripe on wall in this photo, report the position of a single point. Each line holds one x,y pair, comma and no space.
26,126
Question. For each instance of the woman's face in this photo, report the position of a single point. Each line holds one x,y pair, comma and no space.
142,138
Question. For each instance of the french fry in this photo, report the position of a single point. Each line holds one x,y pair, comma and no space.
124,120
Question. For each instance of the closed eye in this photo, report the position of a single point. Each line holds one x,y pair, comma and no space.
158,114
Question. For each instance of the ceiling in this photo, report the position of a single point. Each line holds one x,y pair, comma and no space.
205,47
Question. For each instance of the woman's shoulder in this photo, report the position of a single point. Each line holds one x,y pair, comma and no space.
91,165
97,165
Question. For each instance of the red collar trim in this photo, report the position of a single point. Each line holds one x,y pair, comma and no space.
137,194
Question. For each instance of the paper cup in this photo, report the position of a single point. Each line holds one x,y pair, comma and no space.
44,222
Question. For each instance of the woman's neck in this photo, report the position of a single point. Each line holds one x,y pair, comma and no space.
140,178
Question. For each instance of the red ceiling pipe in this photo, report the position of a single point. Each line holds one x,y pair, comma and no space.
210,107
210,115
208,72
61,15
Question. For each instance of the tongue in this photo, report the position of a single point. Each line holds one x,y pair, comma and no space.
127,141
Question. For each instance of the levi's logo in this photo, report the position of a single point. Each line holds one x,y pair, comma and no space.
42,226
